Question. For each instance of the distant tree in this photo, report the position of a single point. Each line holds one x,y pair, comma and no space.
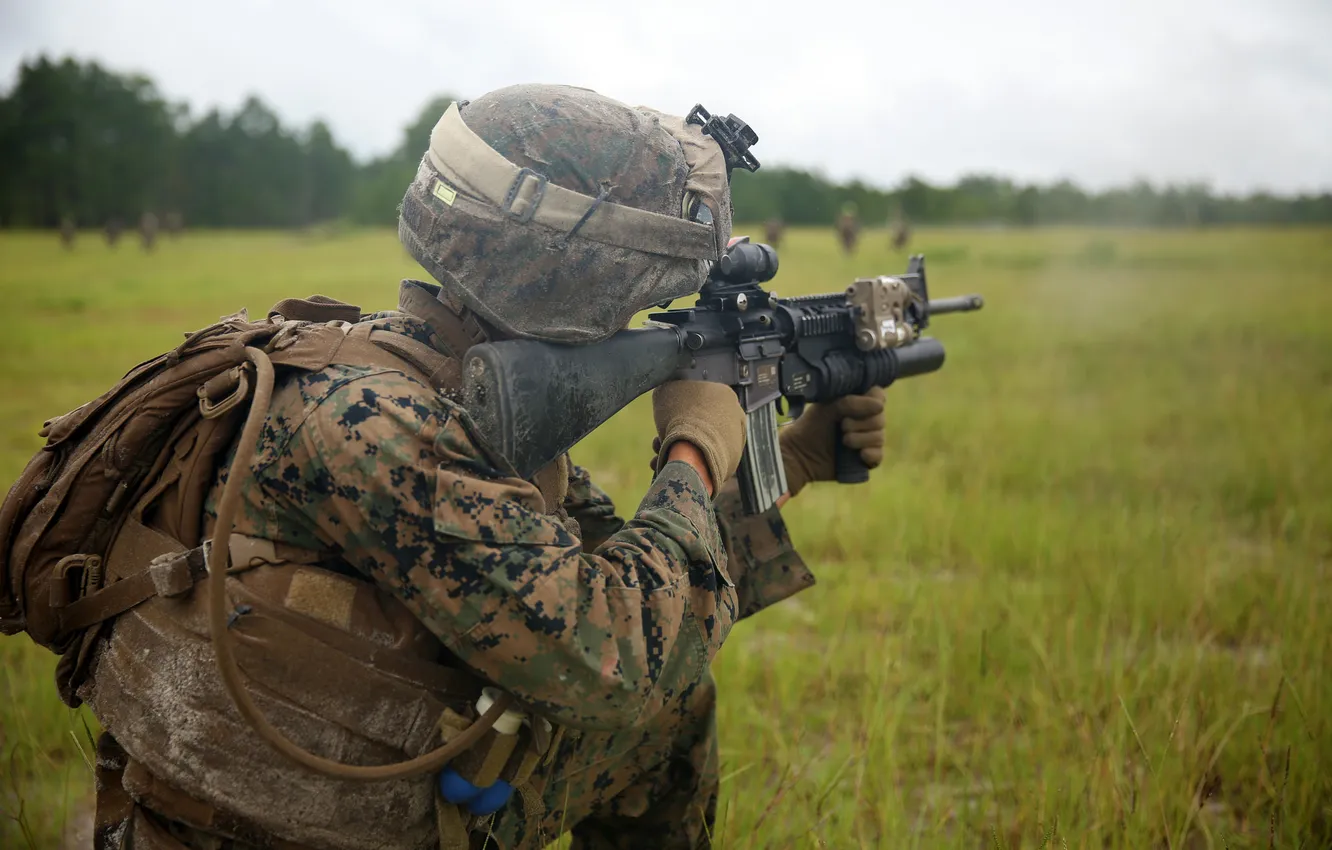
329,175
80,142
381,184
77,140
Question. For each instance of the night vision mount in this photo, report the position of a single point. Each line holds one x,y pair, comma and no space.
731,134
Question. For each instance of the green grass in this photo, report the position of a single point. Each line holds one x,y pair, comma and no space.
1085,603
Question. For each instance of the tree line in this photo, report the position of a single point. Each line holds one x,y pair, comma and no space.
81,142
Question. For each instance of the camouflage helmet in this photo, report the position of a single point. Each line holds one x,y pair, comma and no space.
556,213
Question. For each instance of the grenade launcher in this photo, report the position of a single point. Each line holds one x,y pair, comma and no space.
812,348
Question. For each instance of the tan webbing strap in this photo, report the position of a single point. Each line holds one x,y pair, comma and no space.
441,371
451,321
468,164
451,822
171,574
168,569
316,308
534,806
367,345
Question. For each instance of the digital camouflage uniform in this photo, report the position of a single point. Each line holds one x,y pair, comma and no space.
604,626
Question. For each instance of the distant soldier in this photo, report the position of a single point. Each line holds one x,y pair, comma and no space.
68,231
901,234
174,224
114,227
773,229
848,227
148,230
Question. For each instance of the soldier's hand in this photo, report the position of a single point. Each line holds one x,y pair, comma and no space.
809,442
706,415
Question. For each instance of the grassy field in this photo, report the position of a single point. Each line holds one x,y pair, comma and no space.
1086,602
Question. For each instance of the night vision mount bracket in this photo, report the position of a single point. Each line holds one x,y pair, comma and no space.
731,134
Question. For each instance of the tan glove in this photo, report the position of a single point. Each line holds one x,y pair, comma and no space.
808,442
705,414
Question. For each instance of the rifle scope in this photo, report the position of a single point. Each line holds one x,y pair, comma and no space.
746,262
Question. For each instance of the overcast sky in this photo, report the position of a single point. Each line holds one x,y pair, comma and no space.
1237,93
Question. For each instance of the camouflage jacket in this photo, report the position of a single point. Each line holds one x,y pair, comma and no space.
596,632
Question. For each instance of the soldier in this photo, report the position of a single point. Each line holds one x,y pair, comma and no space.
174,224
848,227
385,546
901,232
773,230
148,230
114,227
68,232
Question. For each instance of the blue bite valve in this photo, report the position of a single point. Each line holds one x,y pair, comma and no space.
455,789
461,791
491,799
479,801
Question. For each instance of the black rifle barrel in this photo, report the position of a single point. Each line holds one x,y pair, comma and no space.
956,304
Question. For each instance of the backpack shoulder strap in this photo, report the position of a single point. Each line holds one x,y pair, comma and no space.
369,345
455,326
316,308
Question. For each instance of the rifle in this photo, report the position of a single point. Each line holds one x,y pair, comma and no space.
531,401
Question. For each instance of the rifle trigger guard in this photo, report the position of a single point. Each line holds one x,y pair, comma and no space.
235,382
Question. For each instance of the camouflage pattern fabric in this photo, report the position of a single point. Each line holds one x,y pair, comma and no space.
380,467
609,635
650,786
550,285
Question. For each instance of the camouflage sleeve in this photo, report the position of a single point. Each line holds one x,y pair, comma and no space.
761,559
385,470
592,508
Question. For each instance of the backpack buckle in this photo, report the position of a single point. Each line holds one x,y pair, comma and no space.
73,577
235,383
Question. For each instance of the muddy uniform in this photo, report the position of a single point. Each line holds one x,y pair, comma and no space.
605,627
383,568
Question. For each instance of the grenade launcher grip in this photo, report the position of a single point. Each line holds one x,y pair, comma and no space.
531,401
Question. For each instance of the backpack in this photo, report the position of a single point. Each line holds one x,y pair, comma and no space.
108,513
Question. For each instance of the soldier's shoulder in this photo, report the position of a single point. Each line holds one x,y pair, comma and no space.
342,403
320,390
